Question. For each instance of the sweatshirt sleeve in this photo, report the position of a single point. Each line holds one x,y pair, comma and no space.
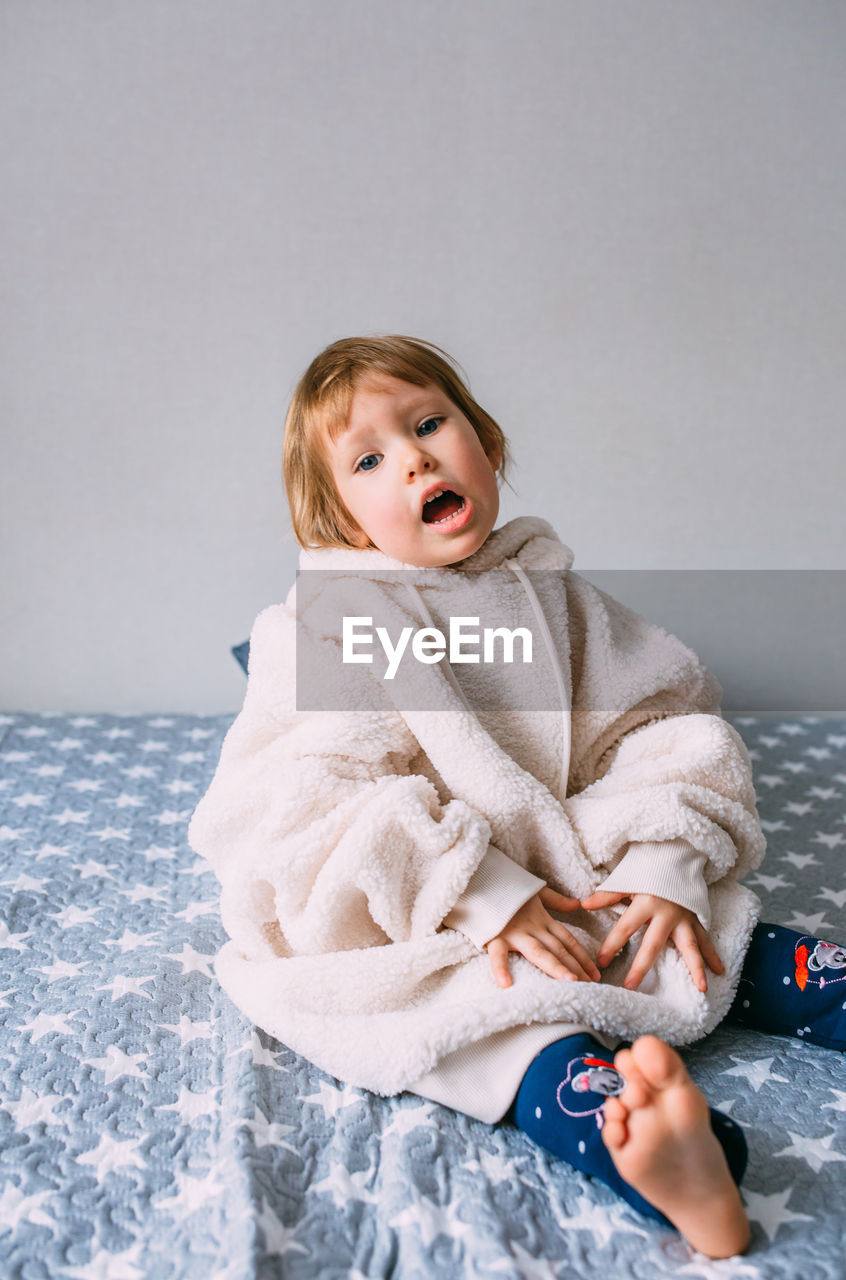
498,888
664,793
670,869
322,832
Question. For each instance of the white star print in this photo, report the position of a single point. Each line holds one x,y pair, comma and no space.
494,1168
771,1211
838,898
194,1192
277,1239
432,1220
261,1057
53,851
27,800
800,860
345,1187
172,817
129,941
770,780
193,1106
807,924
770,883
71,815
192,961
16,1208
156,853
814,1151
112,833
110,1155
141,771
593,1217
799,809
110,1266
26,883
71,916
92,868
839,1104
195,909
60,969
333,1100
830,841
117,1063
123,985
268,1133
406,1119
13,941
86,784
757,1073
143,893
188,1030
43,1024
124,801
31,1109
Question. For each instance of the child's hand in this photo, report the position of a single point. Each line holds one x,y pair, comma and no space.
667,921
550,946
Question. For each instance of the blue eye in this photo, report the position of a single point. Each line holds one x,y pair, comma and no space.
420,429
368,457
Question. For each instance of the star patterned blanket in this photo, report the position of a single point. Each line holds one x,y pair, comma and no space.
148,1131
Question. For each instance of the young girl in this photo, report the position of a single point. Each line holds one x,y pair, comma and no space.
386,844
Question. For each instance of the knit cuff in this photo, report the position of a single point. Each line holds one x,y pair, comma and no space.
670,869
496,890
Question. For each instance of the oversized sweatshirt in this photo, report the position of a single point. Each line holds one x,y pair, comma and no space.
368,852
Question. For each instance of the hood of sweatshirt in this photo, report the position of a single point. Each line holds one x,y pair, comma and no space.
528,539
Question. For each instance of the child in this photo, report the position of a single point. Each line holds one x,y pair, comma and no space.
383,853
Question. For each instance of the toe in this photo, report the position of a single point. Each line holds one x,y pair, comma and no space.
614,1133
656,1063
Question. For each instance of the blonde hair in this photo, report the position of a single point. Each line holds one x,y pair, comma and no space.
320,408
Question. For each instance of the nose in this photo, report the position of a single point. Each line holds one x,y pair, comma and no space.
418,461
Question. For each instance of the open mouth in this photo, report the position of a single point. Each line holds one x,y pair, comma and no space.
441,506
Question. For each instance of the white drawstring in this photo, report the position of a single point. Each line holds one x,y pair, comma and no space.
562,680
449,671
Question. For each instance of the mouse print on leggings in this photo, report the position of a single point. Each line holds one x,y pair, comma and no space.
585,1079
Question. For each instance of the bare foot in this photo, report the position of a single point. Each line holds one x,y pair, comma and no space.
658,1132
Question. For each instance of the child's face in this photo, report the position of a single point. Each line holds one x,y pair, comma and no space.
403,443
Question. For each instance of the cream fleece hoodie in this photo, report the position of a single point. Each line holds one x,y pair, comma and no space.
367,855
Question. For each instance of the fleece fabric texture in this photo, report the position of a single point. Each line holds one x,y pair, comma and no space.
343,839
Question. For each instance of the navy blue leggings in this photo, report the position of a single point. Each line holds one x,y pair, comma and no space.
791,984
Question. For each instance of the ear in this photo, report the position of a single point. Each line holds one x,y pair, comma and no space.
494,456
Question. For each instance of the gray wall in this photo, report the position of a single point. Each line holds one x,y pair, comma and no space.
624,219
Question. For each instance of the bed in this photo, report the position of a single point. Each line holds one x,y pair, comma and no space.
148,1131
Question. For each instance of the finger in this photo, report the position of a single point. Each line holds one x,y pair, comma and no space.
498,952
708,949
563,949
548,962
562,933
600,899
629,923
684,939
558,901
647,953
